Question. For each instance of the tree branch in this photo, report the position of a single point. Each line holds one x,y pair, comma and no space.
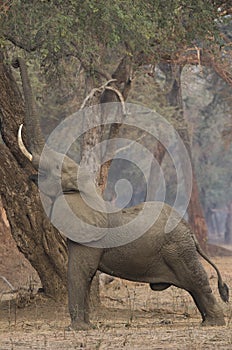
27,47
205,58
7,282
94,91
120,96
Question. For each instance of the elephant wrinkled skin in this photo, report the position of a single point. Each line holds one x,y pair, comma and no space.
158,258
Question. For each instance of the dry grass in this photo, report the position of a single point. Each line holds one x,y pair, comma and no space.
132,317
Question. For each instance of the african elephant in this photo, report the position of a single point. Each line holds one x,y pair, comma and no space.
157,257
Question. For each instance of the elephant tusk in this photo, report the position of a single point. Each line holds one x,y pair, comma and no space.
22,147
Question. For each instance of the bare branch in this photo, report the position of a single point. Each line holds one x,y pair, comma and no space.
192,56
101,72
101,89
27,47
120,96
7,282
94,91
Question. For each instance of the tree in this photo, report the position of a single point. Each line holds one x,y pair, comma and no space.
210,119
149,32
35,237
95,35
174,98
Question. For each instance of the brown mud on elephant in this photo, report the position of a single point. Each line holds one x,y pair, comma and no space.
156,257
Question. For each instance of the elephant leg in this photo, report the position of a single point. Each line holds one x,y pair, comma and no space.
211,311
203,297
199,306
199,288
82,266
191,276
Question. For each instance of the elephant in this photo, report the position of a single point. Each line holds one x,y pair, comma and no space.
157,257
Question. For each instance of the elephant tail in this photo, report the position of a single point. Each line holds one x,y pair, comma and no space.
222,287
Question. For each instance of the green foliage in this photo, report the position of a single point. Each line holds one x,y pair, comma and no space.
56,29
58,35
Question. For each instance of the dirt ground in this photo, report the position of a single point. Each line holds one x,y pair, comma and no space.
131,315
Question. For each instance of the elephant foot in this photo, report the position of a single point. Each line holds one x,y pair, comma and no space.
80,326
216,321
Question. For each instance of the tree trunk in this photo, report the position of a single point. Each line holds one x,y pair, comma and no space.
159,153
95,136
174,98
196,215
35,237
228,228
122,75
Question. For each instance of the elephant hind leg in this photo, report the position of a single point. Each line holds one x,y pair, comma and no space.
159,286
199,288
199,305
203,297
211,311
191,276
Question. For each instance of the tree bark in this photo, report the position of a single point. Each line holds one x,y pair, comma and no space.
158,153
174,98
196,215
123,81
95,136
35,237
228,228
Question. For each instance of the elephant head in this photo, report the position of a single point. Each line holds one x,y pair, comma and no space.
55,171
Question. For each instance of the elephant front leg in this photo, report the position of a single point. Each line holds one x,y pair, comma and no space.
82,266
78,295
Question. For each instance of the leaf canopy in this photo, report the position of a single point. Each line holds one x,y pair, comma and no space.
84,29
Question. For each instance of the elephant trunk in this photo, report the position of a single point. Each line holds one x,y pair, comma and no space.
35,139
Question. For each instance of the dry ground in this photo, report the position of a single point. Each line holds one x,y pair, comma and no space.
131,317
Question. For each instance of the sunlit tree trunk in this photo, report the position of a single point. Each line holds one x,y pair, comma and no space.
122,75
94,136
228,227
158,153
174,98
